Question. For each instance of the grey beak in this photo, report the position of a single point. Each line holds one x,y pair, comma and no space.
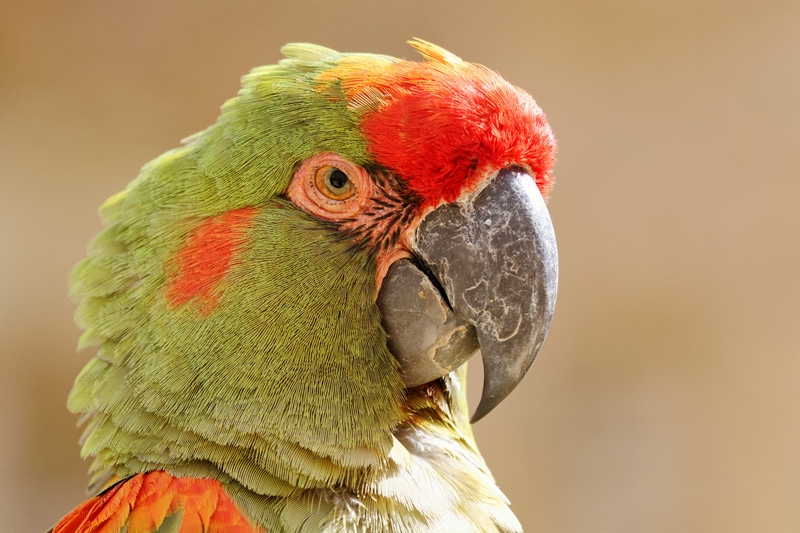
494,255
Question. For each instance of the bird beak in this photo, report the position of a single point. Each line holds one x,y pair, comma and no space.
485,277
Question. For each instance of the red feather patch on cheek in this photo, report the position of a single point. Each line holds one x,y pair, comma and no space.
206,258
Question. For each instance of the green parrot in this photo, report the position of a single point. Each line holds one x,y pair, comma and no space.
283,307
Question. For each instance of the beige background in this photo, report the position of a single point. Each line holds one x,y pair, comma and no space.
666,398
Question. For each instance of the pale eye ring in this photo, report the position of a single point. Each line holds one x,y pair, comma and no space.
333,182
331,187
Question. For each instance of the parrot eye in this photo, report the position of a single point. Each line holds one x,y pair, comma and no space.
331,187
333,182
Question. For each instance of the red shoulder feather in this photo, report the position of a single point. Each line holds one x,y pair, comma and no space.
142,503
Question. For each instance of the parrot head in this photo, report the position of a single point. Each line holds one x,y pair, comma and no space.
274,301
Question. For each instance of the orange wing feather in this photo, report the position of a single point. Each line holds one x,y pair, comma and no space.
142,503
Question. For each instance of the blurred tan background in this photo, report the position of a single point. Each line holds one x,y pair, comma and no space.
666,398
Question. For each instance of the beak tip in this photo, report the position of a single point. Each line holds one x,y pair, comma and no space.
484,408
501,375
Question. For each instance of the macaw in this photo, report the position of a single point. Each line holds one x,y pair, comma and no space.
284,305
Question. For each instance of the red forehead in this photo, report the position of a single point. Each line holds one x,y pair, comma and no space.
441,126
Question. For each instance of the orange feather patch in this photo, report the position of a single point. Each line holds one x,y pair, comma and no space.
140,504
206,258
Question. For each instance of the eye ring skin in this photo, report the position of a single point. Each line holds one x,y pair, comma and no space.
304,189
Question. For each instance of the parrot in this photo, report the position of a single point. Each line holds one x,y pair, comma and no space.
283,306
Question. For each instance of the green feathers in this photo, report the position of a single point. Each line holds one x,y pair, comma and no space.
289,373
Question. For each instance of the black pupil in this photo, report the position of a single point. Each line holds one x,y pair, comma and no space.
338,179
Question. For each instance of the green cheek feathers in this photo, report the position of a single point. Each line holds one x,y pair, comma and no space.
201,265
285,373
